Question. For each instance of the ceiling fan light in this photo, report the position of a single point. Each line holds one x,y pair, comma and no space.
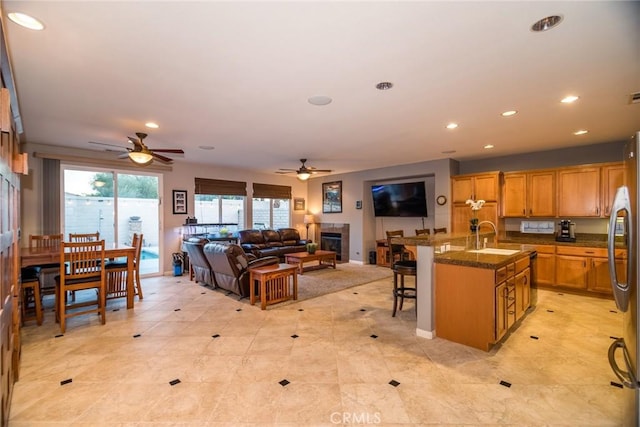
140,157
303,176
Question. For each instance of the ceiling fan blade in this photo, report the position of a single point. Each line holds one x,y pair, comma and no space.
314,170
123,156
107,145
161,157
284,172
288,170
167,150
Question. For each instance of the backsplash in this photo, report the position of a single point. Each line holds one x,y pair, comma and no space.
537,227
583,225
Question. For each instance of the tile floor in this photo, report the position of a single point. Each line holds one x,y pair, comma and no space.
340,359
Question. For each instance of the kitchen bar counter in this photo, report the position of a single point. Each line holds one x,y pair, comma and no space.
480,260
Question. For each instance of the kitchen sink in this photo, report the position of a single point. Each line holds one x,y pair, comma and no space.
495,251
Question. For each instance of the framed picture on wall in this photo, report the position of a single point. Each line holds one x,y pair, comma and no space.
179,202
298,204
332,197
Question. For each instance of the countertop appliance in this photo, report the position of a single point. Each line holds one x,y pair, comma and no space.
567,231
624,351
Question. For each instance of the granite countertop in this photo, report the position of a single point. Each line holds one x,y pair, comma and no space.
480,260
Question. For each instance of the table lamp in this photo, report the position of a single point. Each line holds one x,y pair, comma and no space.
308,220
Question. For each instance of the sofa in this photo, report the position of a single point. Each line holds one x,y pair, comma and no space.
263,243
200,268
230,266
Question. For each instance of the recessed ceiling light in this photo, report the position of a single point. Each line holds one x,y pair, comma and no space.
206,147
509,113
581,132
488,146
452,125
319,100
546,23
152,125
569,99
26,21
384,85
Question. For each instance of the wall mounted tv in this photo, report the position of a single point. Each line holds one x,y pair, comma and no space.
407,199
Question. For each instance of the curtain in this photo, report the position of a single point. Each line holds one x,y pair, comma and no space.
51,196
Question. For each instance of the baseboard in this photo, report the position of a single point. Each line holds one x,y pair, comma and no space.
425,334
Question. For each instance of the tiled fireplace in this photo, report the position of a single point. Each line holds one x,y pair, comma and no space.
334,237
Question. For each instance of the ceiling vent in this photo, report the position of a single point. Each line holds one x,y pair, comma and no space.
634,98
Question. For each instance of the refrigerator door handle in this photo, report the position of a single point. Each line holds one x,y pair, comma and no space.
626,376
620,290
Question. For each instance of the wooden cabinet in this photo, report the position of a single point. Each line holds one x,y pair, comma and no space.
461,215
545,267
599,279
579,192
529,194
612,178
485,186
477,306
587,268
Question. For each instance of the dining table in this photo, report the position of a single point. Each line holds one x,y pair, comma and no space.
30,257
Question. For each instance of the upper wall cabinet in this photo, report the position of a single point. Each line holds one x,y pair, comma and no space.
529,194
485,186
579,190
612,178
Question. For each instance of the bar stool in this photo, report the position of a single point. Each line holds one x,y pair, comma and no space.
440,230
423,232
402,267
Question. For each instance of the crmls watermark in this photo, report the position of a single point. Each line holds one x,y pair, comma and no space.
355,418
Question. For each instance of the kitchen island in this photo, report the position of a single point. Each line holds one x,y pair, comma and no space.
446,255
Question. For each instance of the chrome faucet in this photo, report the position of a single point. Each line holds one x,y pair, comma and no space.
495,230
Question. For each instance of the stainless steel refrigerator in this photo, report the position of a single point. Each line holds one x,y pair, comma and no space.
623,233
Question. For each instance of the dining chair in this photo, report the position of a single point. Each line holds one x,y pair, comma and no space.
440,230
84,237
399,250
81,268
46,272
423,232
30,296
401,267
117,272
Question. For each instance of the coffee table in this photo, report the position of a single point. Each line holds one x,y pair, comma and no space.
274,283
325,259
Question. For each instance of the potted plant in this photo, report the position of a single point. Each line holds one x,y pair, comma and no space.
476,205
311,247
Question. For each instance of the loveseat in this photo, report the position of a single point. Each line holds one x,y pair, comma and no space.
230,266
263,243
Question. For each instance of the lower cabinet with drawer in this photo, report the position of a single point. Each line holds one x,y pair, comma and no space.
586,268
478,306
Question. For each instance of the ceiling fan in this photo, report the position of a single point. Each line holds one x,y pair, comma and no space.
140,153
304,172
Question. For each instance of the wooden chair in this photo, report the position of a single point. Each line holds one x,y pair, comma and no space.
80,269
46,272
440,230
400,267
84,237
400,251
423,232
30,296
117,273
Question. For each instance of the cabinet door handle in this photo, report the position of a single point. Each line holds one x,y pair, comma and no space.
526,279
511,312
585,264
588,252
530,211
511,298
524,211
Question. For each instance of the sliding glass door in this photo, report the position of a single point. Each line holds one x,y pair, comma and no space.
116,204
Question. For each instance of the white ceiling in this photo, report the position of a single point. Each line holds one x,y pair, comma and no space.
237,76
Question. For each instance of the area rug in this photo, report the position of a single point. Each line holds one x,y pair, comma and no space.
315,283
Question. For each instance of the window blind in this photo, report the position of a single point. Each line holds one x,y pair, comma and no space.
271,191
220,187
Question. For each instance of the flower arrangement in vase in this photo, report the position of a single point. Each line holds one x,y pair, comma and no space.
311,247
476,205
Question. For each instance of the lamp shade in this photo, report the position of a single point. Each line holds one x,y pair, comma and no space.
308,219
303,176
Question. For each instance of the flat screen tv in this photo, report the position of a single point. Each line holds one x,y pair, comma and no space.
407,199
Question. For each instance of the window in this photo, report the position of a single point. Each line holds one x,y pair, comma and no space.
271,206
219,202
215,209
271,213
